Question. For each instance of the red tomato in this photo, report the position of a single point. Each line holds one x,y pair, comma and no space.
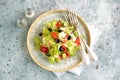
54,35
67,55
60,56
44,49
58,24
77,41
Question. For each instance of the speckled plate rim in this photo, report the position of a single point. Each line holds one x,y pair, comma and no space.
83,23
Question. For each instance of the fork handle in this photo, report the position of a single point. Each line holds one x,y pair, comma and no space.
85,57
90,52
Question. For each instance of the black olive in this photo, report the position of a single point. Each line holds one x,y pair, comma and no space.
48,54
50,29
40,34
59,30
69,37
61,48
57,40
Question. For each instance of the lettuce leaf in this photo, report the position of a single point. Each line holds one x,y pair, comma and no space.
51,24
75,33
54,50
57,59
65,23
48,39
73,50
45,31
38,42
64,56
51,59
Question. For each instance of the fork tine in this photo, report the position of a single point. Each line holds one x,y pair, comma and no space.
76,18
65,15
73,17
70,17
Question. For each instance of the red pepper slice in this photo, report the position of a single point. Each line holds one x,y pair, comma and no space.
54,35
58,24
64,41
77,41
44,49
66,36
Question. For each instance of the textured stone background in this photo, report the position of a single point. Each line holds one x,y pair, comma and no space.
103,16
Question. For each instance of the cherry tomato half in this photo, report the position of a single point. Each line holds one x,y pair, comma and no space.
44,49
58,24
77,41
54,35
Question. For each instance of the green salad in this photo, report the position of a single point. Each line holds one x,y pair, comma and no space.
58,40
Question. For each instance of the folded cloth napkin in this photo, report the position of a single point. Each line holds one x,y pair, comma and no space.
77,70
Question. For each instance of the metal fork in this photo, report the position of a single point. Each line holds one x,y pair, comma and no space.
72,18
69,19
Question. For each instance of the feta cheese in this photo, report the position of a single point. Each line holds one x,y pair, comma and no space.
62,35
63,28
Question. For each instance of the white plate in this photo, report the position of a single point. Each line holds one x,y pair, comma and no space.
40,59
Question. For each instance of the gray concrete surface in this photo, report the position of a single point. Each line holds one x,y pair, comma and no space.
102,15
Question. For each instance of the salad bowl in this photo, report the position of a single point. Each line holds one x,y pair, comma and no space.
38,57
